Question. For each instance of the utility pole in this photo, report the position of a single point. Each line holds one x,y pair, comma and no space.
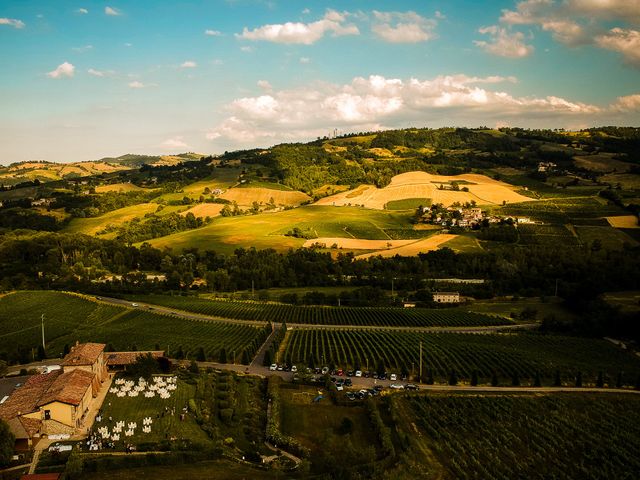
421,360
42,321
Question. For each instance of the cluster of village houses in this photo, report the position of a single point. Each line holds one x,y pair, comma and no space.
466,216
59,401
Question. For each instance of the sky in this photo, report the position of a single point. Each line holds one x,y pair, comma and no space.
82,80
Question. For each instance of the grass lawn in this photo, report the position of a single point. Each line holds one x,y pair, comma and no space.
134,409
267,230
316,425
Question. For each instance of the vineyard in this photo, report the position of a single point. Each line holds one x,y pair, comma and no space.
561,436
562,210
546,235
506,355
70,317
319,315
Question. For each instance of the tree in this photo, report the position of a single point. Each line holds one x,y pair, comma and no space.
557,381
42,354
536,380
222,356
267,358
494,379
404,371
453,378
600,380
474,378
380,367
515,379
180,353
579,380
246,359
7,441
193,367
144,366
620,380
200,356
346,426
430,380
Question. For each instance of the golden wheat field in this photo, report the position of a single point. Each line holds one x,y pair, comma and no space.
482,189
205,210
118,187
624,221
246,196
413,247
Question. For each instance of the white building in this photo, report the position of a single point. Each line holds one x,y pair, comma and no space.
446,297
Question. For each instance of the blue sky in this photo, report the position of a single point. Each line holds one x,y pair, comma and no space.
81,80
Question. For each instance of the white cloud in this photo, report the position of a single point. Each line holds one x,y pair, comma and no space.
246,49
306,11
174,143
213,33
305,60
629,103
82,11
265,85
377,102
189,64
13,22
217,61
95,73
138,84
112,11
63,70
504,43
403,27
302,33
84,49
625,41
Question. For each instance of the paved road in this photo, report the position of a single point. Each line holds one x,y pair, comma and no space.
209,318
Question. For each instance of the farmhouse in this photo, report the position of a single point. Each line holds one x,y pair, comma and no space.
121,360
446,297
56,402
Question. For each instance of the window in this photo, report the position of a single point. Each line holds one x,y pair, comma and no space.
47,414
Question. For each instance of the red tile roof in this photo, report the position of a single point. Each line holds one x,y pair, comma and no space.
83,354
69,388
25,398
41,476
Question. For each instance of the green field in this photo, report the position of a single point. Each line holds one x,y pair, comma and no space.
562,210
267,230
497,436
408,204
504,354
92,225
320,315
609,238
71,317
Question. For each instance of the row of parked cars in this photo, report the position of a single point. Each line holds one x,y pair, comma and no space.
339,372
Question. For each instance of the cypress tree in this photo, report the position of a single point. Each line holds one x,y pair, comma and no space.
557,381
536,380
620,380
200,356
453,378
246,358
494,379
222,355
267,358
311,361
638,382
430,380
579,380
474,378
515,379
67,349
41,353
600,380
180,353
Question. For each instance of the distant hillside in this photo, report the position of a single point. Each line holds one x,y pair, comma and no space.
135,161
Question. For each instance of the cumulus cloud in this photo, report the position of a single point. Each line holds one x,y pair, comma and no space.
82,11
12,22
174,143
504,43
377,101
136,84
63,70
112,11
213,33
189,64
403,27
264,85
95,73
302,33
246,49
629,103
624,41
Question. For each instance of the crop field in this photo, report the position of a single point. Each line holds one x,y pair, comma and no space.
422,185
266,230
318,315
70,317
414,248
205,210
408,204
562,210
609,237
119,187
561,436
92,225
624,221
546,235
247,195
504,354
356,243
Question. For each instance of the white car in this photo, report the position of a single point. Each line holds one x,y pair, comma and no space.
396,386
339,388
294,369
325,370
393,377
358,373
134,305
273,367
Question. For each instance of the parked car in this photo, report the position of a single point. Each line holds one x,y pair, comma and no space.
358,373
347,382
339,387
294,369
383,376
373,392
351,396
273,367
350,373
340,372
134,305
325,370
378,388
374,375
280,368
364,392
396,386
366,374
393,377
411,386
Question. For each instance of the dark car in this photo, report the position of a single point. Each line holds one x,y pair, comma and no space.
375,375
383,376
378,388
411,386
350,373
366,374
348,382
351,396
